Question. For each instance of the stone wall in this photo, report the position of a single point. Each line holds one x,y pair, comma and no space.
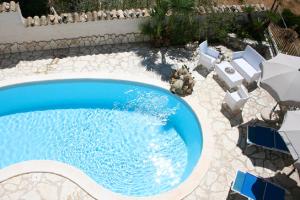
67,30
72,42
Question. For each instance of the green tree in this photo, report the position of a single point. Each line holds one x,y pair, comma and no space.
172,22
33,7
216,26
256,25
155,28
183,24
249,11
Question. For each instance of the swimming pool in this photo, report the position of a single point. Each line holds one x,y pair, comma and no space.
131,138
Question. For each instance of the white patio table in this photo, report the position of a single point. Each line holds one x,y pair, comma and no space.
228,74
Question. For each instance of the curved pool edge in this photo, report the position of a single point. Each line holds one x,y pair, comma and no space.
84,181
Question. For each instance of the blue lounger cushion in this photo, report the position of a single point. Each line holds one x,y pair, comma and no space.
266,137
239,181
254,187
261,136
274,192
279,143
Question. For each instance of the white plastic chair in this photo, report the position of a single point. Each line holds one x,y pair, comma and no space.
247,63
236,100
208,56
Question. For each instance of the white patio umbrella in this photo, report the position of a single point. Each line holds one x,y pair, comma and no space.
281,78
290,132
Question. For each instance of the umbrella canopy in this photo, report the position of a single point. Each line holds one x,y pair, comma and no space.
290,132
281,78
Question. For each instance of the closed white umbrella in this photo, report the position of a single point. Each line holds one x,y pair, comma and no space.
281,78
290,132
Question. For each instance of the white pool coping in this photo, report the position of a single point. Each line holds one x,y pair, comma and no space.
84,181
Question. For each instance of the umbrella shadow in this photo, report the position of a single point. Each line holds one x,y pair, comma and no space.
287,182
259,156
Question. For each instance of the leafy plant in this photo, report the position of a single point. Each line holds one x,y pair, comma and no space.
256,25
33,7
172,22
204,2
217,26
156,26
183,25
249,11
74,5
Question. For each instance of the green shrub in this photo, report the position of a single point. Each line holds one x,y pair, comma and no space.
255,26
33,7
89,5
62,6
172,22
183,24
156,26
217,26
184,30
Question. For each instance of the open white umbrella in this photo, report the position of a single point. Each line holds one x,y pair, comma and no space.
281,78
290,132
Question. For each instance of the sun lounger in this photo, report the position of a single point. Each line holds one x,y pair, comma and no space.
266,137
256,188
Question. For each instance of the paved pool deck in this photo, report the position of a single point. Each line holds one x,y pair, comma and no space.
140,60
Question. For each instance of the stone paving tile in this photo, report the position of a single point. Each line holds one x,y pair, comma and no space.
142,60
41,186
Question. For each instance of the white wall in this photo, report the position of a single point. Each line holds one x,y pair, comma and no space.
12,29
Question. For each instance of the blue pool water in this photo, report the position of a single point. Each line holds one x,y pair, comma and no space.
131,138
